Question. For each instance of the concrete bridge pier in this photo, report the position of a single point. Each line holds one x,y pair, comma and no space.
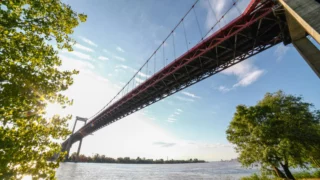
303,17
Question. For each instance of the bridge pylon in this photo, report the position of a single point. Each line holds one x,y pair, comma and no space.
68,147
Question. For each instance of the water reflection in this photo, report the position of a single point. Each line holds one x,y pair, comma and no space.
212,170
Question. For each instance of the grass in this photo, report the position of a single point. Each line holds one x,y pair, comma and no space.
258,177
298,175
305,174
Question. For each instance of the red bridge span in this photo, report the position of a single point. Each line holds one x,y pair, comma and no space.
263,24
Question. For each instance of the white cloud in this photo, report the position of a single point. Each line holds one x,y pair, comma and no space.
138,80
164,144
171,120
71,63
152,118
119,58
102,58
214,12
173,117
88,41
224,89
249,78
139,74
142,74
78,54
190,94
79,46
120,49
280,51
246,72
184,99
125,67
114,56
218,5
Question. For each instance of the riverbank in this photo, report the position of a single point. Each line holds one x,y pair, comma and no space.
303,175
127,160
165,162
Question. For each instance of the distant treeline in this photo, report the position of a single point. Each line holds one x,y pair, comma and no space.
97,158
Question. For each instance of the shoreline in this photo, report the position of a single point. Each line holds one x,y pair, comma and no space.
133,163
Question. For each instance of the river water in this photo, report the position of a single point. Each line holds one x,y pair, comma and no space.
96,171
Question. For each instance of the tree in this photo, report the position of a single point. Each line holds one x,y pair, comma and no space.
30,78
120,160
280,131
314,153
96,158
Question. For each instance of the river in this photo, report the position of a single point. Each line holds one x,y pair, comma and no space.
97,171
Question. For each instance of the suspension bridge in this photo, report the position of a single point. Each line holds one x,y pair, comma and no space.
260,26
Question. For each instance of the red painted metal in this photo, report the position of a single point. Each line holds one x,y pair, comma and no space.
172,66
256,11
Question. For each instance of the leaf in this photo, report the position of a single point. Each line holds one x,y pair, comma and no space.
280,128
30,79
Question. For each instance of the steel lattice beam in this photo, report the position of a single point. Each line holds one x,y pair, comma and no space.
261,26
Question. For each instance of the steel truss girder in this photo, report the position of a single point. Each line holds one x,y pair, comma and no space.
251,33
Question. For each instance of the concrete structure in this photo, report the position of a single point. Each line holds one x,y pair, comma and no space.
303,17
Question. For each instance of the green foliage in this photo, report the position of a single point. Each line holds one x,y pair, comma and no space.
29,79
259,177
298,175
305,174
280,131
316,174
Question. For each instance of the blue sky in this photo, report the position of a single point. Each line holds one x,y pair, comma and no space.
116,40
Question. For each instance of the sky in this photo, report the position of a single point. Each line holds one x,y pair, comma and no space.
120,35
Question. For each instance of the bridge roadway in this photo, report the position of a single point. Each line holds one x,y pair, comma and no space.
261,26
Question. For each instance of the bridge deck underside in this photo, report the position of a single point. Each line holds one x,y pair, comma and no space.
309,11
244,37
